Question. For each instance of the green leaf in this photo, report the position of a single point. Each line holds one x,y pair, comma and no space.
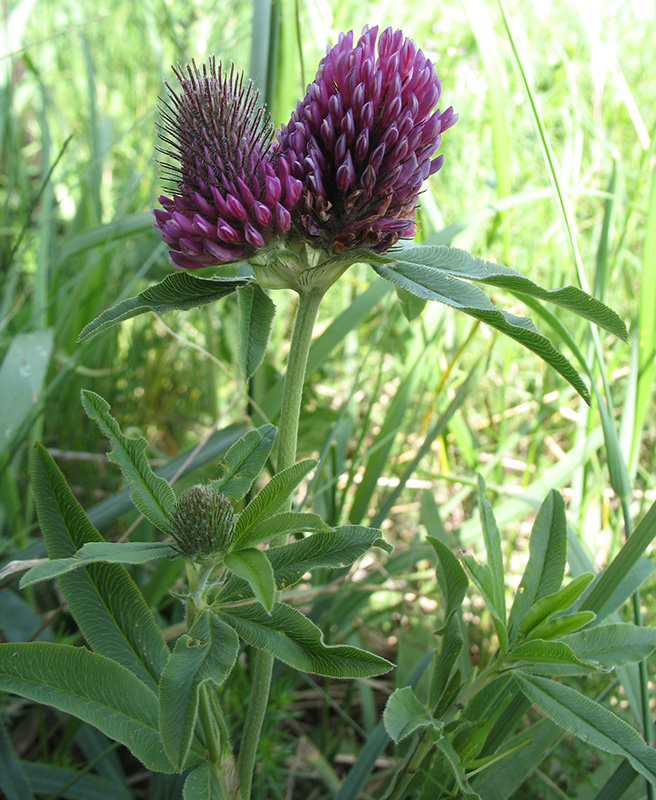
152,495
639,572
92,688
431,284
553,603
453,261
15,783
94,552
590,722
452,579
244,461
453,760
561,626
50,780
286,522
452,645
404,715
481,575
492,540
179,290
547,558
202,783
205,655
290,636
253,566
538,651
411,305
105,602
272,497
613,645
256,313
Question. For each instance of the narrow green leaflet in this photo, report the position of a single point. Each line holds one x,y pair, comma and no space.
431,284
104,600
445,660
404,715
92,688
256,313
538,651
152,495
290,636
453,261
332,548
613,645
178,291
206,654
492,540
453,760
253,566
286,522
452,579
553,603
545,570
481,575
272,497
94,552
561,626
590,722
639,572
244,461
203,784
15,783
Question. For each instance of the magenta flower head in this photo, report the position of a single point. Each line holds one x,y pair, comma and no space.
362,141
230,195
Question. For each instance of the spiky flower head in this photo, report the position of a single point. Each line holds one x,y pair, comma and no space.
229,195
362,141
203,523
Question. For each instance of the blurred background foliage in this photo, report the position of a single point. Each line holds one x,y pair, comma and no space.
402,414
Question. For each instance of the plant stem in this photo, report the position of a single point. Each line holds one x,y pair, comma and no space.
211,738
306,314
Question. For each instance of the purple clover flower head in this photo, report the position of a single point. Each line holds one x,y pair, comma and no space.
229,193
362,141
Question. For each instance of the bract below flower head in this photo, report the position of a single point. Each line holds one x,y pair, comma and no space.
230,195
362,140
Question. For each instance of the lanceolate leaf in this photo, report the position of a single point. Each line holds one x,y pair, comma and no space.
481,575
244,461
206,654
452,579
179,290
432,284
94,552
445,660
453,261
290,636
253,566
107,606
272,497
613,645
561,626
594,724
547,556
286,522
404,715
537,652
91,687
152,495
553,603
492,540
256,313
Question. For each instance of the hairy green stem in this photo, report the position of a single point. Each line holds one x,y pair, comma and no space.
306,314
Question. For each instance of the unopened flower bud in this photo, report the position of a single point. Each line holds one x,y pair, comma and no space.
203,523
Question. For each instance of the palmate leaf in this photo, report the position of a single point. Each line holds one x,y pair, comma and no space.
95,552
206,654
590,722
290,636
244,461
256,313
91,687
153,496
178,291
104,600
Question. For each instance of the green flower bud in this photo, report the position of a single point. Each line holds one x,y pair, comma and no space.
203,523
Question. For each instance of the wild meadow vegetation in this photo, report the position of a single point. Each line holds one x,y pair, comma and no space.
427,424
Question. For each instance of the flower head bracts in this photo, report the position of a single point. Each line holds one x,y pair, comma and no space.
362,140
229,193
